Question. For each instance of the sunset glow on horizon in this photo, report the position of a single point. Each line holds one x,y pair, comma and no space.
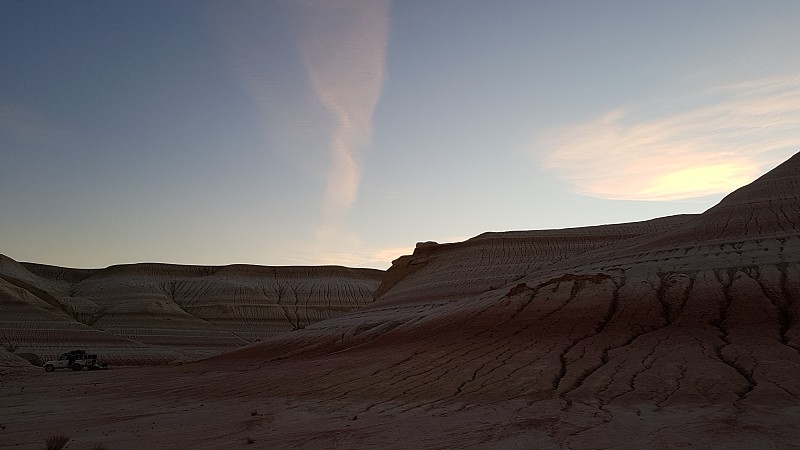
700,181
712,142
343,132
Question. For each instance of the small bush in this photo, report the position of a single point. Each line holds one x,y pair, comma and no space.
56,442
250,440
254,412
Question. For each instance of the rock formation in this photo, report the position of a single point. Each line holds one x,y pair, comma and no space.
697,310
492,260
672,333
151,313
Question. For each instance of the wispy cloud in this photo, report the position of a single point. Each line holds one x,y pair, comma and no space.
345,247
305,62
710,143
344,50
362,256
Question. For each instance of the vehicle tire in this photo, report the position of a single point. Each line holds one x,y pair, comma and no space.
76,367
49,368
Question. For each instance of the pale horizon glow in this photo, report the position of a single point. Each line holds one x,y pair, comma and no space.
710,147
309,132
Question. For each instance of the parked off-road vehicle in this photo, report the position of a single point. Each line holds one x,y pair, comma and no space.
75,360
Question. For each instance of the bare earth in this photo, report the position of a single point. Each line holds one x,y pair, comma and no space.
680,332
150,407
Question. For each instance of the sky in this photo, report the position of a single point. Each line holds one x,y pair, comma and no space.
346,131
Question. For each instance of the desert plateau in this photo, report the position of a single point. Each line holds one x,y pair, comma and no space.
678,332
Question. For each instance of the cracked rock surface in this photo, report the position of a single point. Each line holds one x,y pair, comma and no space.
672,333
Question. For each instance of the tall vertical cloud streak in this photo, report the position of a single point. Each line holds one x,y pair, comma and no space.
305,62
344,51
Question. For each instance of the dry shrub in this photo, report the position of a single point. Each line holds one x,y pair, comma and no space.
56,442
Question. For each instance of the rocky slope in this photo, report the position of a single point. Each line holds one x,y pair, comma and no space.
492,260
701,310
672,333
151,313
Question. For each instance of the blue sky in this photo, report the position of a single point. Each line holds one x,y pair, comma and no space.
343,132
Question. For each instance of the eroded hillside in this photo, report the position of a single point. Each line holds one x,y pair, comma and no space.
151,313
703,311
677,332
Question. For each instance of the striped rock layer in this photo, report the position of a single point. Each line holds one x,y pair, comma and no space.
672,333
698,309
155,313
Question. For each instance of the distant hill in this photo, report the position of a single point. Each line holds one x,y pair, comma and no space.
156,313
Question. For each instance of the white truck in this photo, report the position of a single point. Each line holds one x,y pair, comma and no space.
75,360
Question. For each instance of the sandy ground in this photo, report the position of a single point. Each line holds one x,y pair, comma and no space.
127,408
